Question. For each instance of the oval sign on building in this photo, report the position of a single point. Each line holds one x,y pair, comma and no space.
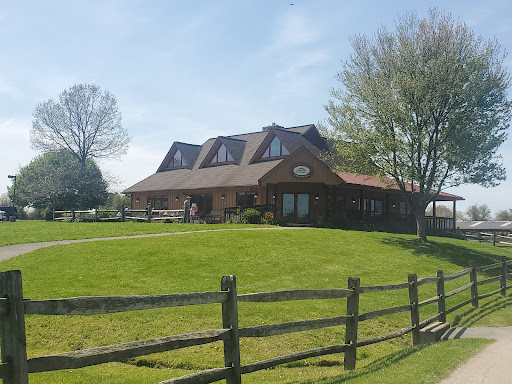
301,171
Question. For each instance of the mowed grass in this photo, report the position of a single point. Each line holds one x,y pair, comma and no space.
261,261
34,231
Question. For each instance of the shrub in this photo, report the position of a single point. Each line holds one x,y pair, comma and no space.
251,216
268,218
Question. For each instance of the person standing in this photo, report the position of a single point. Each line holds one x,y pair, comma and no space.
186,208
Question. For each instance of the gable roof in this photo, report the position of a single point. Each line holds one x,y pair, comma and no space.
188,151
320,172
245,171
235,147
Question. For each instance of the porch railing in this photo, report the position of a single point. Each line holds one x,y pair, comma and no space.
234,214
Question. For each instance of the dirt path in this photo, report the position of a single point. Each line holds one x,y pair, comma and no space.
492,365
9,251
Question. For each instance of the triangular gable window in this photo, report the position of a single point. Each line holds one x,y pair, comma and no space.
177,160
276,148
222,156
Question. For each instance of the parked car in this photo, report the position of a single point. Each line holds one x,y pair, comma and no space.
3,216
9,211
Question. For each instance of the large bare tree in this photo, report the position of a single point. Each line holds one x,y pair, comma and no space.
85,121
425,105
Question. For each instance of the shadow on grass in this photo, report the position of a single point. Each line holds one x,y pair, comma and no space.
455,254
473,315
376,366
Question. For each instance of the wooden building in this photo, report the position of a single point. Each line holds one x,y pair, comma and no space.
276,169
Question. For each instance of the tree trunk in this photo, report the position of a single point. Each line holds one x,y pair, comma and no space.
421,226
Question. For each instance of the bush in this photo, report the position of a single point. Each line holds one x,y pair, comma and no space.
251,216
268,218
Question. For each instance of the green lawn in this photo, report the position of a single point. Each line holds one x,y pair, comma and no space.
261,261
34,231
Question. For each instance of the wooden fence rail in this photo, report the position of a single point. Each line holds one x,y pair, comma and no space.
126,214
15,366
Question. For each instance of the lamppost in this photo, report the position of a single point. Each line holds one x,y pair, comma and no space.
13,190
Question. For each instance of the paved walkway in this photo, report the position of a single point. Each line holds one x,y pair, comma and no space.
9,251
492,365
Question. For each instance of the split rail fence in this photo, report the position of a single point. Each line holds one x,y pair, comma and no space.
487,237
15,366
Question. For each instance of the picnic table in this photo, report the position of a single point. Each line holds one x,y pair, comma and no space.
167,214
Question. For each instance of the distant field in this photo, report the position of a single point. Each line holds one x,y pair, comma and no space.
261,261
34,231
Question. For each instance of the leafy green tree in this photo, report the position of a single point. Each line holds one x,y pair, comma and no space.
56,180
503,215
441,211
5,201
477,212
425,105
117,201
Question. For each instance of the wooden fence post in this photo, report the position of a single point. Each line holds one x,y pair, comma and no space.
230,321
415,310
503,282
73,215
12,328
123,214
351,328
441,302
474,287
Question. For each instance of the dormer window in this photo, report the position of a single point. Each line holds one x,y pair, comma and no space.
275,149
177,160
222,156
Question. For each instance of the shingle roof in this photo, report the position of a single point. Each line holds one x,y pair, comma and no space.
386,183
242,147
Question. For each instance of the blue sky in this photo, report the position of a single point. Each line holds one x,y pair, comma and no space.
190,70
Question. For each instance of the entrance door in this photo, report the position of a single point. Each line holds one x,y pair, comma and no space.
296,204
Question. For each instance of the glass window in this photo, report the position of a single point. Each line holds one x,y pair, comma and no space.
403,208
245,198
375,207
222,153
222,156
302,205
158,202
204,203
275,149
378,207
288,204
177,160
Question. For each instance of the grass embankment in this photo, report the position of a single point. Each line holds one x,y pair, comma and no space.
261,261
34,231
